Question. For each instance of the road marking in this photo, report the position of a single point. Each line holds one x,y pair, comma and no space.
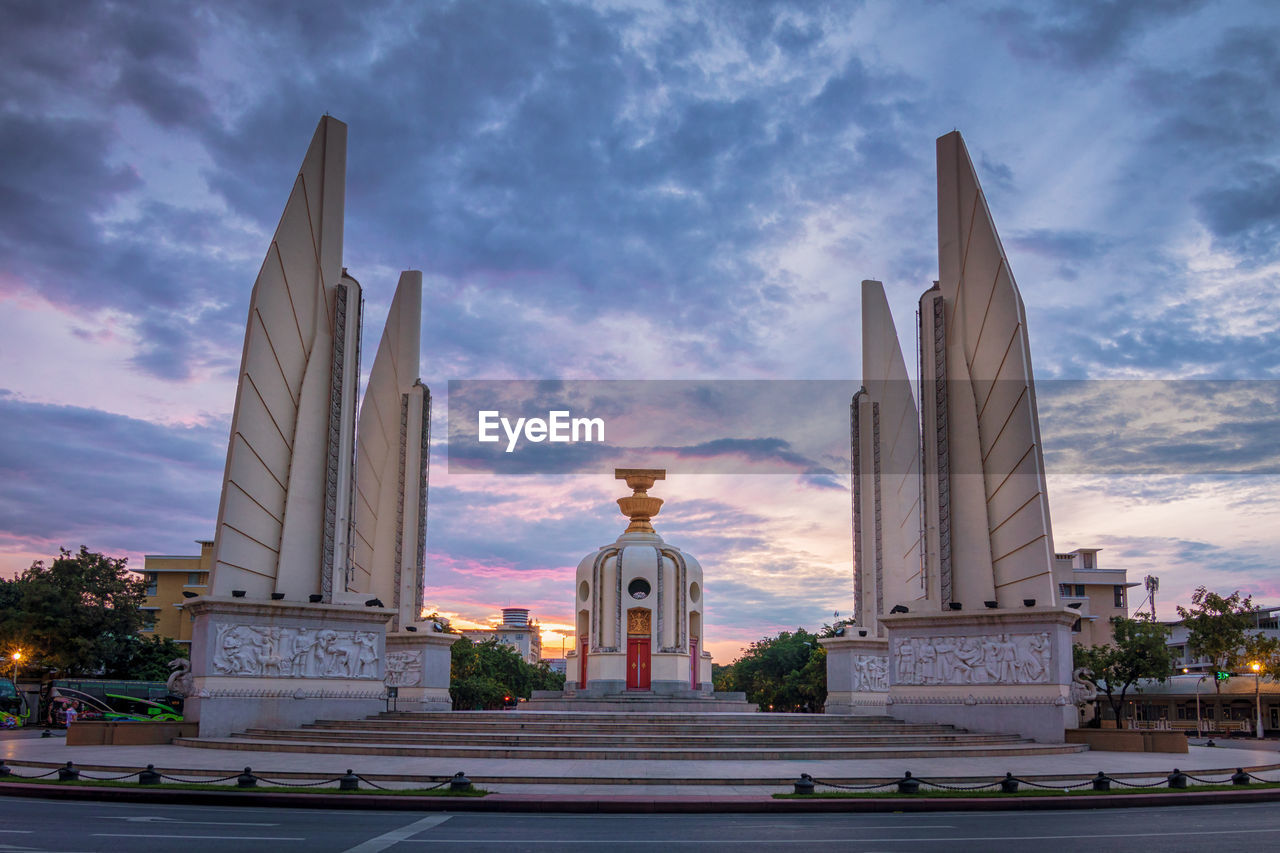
173,820
18,831
222,837
839,840
395,836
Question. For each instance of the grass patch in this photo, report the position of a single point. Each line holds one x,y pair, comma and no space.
931,794
260,789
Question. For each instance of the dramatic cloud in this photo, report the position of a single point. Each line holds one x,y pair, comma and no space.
640,191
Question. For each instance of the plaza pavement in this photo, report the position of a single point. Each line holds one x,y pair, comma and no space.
29,754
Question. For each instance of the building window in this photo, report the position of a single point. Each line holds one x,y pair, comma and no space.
153,581
1119,594
1064,590
1088,559
149,620
195,578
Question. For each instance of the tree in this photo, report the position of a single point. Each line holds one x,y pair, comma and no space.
1217,628
783,673
1140,651
145,659
486,675
77,616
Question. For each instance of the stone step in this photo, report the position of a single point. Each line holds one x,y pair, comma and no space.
597,739
633,754
887,728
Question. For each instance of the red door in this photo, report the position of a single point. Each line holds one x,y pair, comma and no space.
582,661
693,663
637,663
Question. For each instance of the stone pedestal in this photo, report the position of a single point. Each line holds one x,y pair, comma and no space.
283,664
1004,671
418,667
857,675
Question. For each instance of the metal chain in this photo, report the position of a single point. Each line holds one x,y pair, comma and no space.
84,775
854,787
1052,787
957,787
297,784
41,776
200,781
382,788
1135,785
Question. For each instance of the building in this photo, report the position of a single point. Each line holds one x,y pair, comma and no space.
559,665
1266,622
168,577
516,630
1098,594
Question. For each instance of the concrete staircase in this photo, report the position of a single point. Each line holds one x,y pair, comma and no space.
589,736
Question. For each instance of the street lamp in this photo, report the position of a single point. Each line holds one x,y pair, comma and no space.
1257,696
15,657
1199,681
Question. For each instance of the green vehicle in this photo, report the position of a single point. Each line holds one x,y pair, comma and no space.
14,712
103,699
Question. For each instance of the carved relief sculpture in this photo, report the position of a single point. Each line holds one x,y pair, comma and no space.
258,650
404,669
991,659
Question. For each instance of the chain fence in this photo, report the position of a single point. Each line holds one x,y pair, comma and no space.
910,784
350,781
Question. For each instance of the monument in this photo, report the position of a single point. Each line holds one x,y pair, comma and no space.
294,627
639,605
955,610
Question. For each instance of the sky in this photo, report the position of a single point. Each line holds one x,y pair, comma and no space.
646,191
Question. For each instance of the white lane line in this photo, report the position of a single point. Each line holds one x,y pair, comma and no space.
222,837
18,831
171,821
395,836
838,840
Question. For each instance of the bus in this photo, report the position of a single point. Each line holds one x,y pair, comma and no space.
13,706
107,699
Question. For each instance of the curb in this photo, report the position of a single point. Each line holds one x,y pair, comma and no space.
567,804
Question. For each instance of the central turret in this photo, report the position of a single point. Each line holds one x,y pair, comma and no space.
639,507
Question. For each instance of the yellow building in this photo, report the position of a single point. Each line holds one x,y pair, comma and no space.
1097,593
168,577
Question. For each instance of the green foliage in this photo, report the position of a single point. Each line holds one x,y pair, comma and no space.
485,675
1217,628
783,673
1140,651
78,615
144,659
1264,651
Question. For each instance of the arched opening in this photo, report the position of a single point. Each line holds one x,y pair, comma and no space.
695,650
584,620
639,648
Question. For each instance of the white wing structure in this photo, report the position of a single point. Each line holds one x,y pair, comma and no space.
389,541
286,492
989,532
886,470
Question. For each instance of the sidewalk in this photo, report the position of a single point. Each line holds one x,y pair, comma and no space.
696,779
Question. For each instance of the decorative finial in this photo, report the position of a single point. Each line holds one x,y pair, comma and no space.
639,507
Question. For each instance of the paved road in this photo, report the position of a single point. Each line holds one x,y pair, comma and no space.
44,825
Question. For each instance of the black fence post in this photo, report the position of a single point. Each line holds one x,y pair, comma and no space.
149,776
907,785
247,779
804,785
68,773
350,782
1008,785
1101,782
1177,779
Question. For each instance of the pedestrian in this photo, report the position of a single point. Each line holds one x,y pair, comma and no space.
71,713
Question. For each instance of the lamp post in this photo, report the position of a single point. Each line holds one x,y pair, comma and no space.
1257,695
15,657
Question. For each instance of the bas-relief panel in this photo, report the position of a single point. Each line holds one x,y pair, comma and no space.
992,659
404,669
870,673
263,650
639,621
